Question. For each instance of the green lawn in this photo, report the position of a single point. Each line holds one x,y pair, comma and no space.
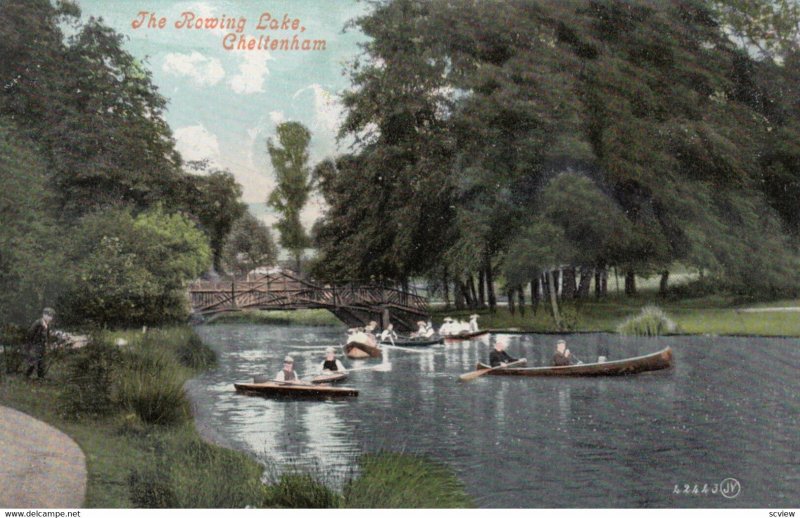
707,315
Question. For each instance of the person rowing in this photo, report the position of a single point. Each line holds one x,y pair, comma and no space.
473,323
288,373
331,363
499,357
563,357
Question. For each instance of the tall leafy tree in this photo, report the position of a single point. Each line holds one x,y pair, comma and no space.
289,157
249,245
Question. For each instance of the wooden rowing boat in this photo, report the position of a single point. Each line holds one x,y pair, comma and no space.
283,388
330,377
358,350
414,342
466,335
650,362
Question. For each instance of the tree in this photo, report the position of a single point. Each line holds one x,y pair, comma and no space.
289,157
133,270
249,245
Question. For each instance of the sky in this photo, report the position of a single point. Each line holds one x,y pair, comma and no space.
225,103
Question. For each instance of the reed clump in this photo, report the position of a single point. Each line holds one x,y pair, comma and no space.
651,321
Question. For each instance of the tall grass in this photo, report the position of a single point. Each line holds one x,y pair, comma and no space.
651,321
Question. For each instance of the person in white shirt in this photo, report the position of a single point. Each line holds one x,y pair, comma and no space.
331,363
388,334
288,373
447,327
473,323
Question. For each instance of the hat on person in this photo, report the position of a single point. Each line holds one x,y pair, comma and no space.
329,350
448,319
288,359
473,316
49,312
561,342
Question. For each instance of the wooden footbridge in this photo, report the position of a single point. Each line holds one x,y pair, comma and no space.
355,305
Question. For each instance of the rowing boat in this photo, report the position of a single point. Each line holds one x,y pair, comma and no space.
466,335
358,350
330,377
414,342
650,362
282,388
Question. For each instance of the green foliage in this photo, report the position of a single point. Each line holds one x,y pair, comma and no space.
194,354
248,246
651,321
395,480
189,473
300,491
89,389
289,157
133,270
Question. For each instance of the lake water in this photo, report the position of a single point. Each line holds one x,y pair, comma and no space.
730,408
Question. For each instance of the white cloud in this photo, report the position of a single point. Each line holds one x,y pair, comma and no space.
253,72
328,115
277,117
203,71
196,143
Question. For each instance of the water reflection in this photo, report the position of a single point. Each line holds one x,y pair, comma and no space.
527,441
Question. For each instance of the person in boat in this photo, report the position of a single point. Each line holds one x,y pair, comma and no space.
499,357
331,363
562,356
388,334
473,323
447,327
429,331
288,373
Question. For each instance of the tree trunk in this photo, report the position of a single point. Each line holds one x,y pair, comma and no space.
534,295
472,293
604,282
663,284
510,296
557,283
481,289
545,286
446,289
297,263
458,294
470,302
553,299
568,277
490,287
598,283
586,279
521,297
630,283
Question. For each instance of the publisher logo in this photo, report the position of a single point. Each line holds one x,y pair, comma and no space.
730,488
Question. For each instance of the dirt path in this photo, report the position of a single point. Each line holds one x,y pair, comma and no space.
40,467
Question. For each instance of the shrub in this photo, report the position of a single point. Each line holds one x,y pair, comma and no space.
151,489
652,321
193,353
13,340
301,491
395,480
89,386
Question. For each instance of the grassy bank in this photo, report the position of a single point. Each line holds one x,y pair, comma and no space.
300,317
121,399
707,315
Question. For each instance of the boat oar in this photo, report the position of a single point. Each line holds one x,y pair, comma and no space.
407,349
480,372
380,366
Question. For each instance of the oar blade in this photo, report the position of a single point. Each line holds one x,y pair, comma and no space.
469,376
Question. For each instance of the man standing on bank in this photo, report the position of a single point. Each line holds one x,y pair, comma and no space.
499,357
38,338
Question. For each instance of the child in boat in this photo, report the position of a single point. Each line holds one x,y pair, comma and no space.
331,363
499,357
288,373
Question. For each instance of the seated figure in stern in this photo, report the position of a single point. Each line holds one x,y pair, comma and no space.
429,331
288,373
331,363
388,334
499,357
562,357
420,332
473,323
447,327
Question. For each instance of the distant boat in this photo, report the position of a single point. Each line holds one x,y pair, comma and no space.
465,335
359,351
330,377
650,362
294,389
408,341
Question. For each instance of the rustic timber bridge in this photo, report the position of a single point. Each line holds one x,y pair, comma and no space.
355,305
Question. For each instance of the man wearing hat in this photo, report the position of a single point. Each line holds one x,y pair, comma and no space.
288,373
38,338
499,357
331,363
562,357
